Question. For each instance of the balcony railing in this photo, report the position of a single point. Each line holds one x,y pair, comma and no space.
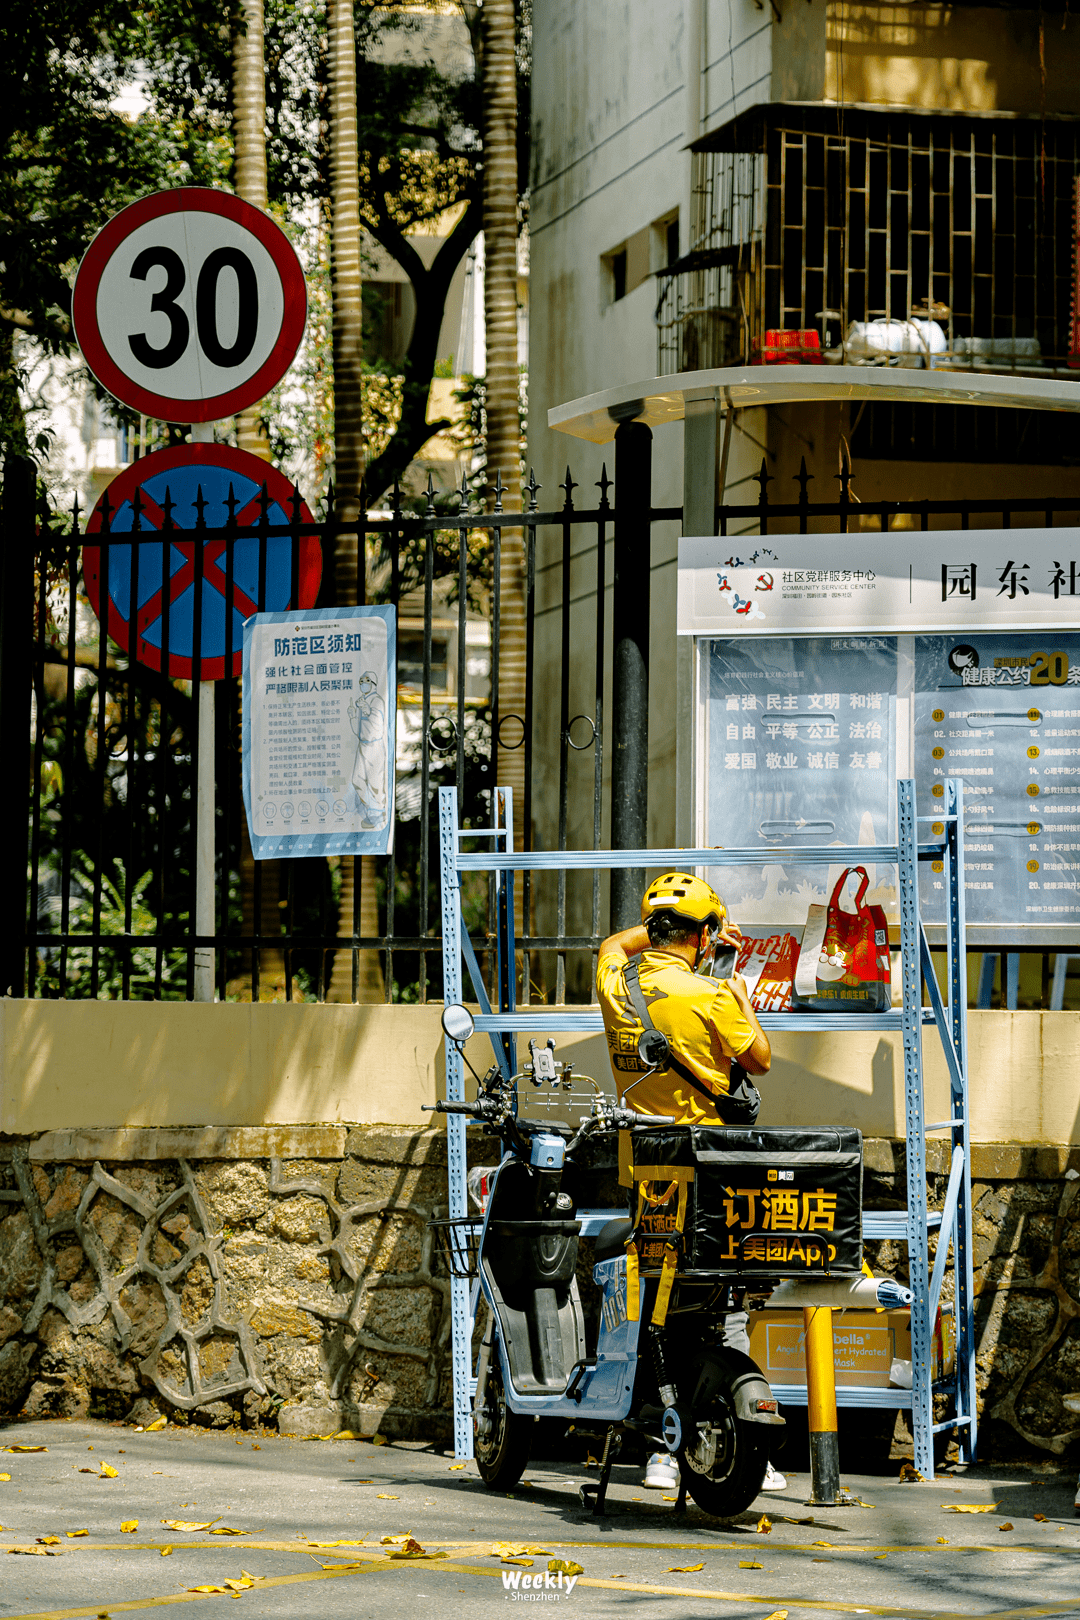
883,238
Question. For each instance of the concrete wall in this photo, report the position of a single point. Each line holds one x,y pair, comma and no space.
104,1073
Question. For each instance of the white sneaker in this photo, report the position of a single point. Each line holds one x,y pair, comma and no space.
661,1472
773,1481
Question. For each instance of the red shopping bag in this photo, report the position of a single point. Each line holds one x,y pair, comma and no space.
768,966
844,963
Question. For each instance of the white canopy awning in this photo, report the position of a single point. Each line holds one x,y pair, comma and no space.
664,399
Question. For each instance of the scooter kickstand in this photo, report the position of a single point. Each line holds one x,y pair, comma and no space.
680,1505
595,1496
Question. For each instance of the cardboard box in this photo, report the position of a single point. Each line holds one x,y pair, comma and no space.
866,1344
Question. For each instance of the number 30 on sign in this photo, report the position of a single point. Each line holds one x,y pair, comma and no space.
189,305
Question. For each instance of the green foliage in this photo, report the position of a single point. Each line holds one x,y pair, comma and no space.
69,159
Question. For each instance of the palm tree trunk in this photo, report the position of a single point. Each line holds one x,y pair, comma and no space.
349,566
499,96
249,137
249,179
499,90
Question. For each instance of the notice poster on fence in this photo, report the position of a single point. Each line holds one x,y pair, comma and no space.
320,695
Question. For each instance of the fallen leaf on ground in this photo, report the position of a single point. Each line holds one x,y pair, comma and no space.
227,1530
165,1551
76,1532
384,1496
746,1563
392,1541
777,1614
690,1569
347,1434
880,1557
378,1440
564,1566
909,1472
669,1499
969,1507
81,1471
235,1585
24,1448
525,1563
336,1544
186,1524
1040,1518
254,1447
943,1541
1004,1526
857,1501
454,1467
40,1552
515,1549
158,1423
108,1472
129,1525
413,1549
764,1525
208,1588
821,1544
363,1482
8,1476
49,1541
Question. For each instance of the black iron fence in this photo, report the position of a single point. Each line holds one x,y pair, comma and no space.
99,857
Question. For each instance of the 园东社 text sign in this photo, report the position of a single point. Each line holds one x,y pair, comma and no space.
320,696
874,584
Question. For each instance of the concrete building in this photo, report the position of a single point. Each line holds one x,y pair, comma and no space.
883,184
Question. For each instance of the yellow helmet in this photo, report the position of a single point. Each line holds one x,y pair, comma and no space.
685,896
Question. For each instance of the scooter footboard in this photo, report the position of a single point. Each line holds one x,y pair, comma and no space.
531,1282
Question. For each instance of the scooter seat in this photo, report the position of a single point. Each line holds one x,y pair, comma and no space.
611,1239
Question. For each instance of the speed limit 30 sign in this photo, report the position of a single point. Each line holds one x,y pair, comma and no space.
189,305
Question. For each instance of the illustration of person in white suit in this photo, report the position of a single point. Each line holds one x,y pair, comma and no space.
367,717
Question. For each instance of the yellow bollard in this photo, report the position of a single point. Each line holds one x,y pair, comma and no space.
821,1407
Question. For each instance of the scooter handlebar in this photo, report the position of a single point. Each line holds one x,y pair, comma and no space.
475,1109
627,1118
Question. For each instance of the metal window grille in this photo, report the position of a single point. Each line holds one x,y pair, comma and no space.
860,216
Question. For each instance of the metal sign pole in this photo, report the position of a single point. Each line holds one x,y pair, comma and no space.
203,433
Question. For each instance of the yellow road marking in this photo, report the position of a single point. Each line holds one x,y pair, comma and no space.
370,1566
485,1546
198,1597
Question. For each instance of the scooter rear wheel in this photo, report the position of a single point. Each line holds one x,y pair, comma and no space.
726,1472
502,1449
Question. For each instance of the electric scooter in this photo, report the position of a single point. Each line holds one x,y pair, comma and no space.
664,1374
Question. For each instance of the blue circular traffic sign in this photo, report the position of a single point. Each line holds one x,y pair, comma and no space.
171,493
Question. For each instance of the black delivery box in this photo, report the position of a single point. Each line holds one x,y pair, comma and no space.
779,1203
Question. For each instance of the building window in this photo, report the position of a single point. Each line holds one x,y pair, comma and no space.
617,268
671,242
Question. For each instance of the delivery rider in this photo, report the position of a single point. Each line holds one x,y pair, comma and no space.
650,974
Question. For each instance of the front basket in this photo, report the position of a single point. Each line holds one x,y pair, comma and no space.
459,1242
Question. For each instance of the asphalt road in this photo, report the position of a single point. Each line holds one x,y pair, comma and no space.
903,1554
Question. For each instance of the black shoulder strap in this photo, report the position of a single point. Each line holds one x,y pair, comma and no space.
641,1007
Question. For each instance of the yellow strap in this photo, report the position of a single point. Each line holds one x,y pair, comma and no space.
663,1287
633,1290
671,1260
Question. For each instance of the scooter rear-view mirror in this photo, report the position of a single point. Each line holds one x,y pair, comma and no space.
457,1023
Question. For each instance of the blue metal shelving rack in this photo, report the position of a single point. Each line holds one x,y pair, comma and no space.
913,1225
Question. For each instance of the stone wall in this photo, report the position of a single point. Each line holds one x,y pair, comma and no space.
295,1288
1026,1255
287,1276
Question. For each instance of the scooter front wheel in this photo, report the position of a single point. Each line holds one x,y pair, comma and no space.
502,1438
